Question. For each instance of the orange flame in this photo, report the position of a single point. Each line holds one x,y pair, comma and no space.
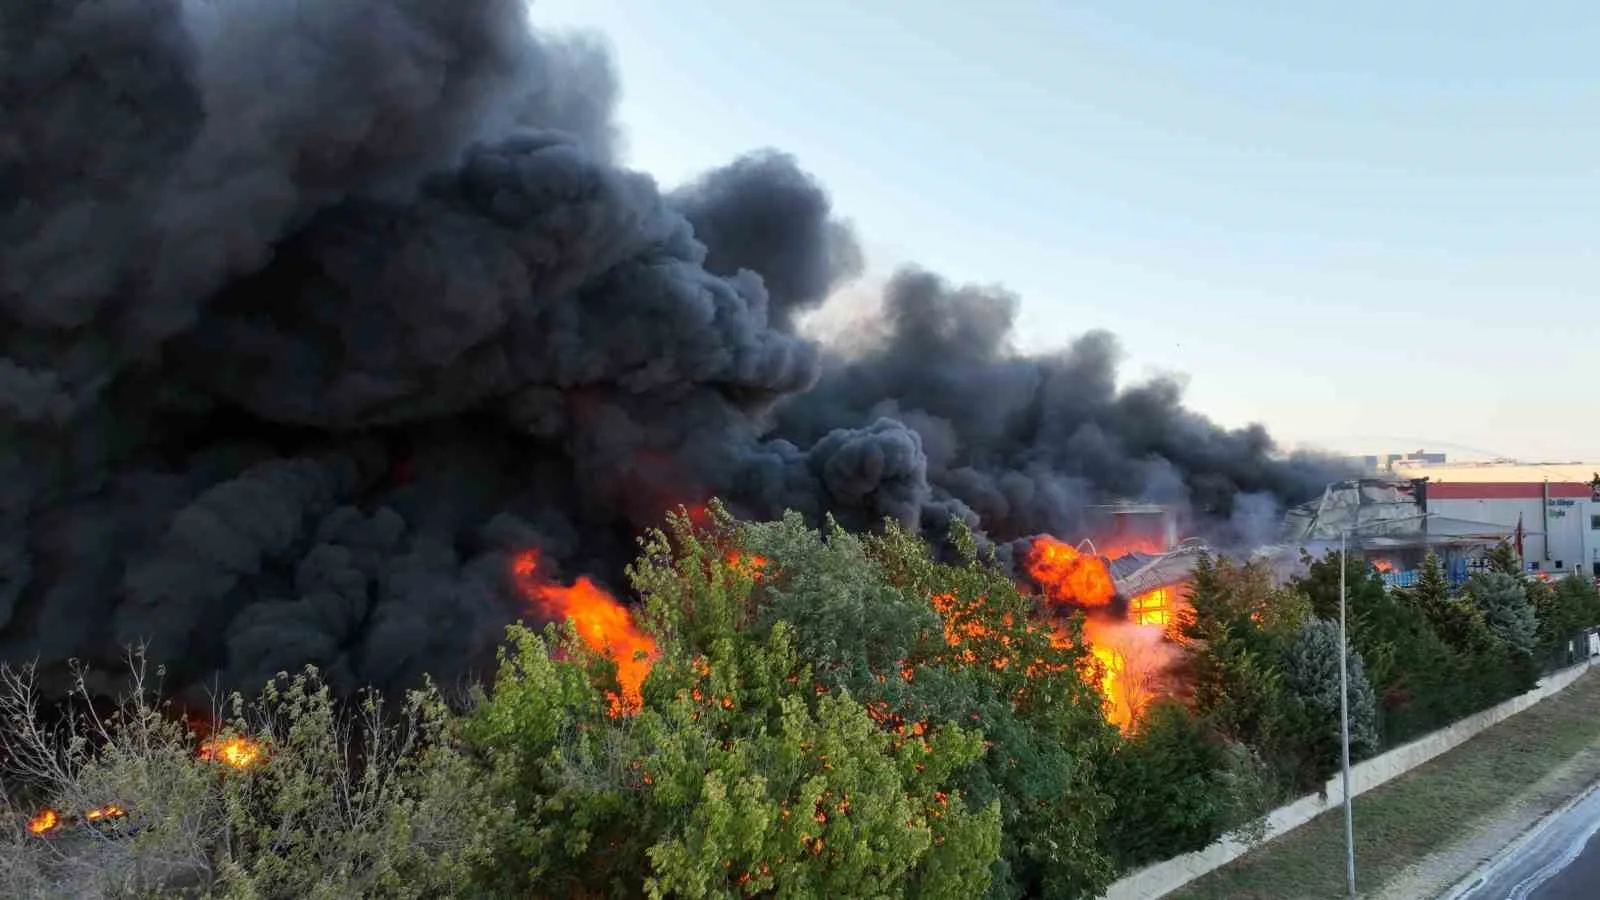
1068,576
750,565
1122,544
1151,608
234,752
603,623
1134,660
44,822
101,813
1383,565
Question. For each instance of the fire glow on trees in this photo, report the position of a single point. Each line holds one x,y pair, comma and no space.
603,623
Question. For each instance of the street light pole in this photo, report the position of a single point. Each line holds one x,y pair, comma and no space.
1344,730
1344,705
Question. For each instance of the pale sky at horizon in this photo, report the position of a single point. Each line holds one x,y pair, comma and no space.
1369,226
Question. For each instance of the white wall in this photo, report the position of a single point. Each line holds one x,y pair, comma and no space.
1165,877
1570,540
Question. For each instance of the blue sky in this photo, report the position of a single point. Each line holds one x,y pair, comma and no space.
1364,224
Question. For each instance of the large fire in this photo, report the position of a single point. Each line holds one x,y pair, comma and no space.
1069,576
1135,659
1152,608
603,624
1131,652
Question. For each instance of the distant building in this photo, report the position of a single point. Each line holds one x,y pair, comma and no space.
1560,520
1387,462
1550,511
1392,523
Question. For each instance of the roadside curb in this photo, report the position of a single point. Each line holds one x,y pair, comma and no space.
1481,874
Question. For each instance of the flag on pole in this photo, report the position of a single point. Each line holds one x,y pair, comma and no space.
1517,542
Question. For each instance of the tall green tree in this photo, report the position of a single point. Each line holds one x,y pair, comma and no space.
1311,680
1503,558
1506,610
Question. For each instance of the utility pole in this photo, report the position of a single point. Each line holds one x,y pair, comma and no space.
1344,699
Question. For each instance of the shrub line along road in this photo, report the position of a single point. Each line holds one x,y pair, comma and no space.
1421,833
1559,859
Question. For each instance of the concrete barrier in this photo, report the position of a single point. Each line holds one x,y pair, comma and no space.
1163,878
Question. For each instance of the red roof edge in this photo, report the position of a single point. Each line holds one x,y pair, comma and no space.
1506,490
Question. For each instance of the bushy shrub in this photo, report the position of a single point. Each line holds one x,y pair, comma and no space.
1564,610
1178,787
319,804
747,768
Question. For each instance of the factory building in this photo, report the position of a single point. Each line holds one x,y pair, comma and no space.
1560,520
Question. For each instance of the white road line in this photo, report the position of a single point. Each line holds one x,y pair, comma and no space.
1553,868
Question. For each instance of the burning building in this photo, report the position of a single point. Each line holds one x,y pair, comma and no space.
316,318
1388,521
1129,584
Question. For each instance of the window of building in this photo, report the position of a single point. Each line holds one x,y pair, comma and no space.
1533,566
1558,564
1597,570
1150,609
1594,522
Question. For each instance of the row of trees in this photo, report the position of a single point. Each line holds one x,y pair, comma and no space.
829,714
1263,658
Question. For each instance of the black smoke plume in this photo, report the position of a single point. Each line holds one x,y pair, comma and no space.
313,313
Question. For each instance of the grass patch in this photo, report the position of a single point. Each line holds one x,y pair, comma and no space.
1418,813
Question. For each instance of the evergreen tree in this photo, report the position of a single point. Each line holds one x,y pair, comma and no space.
1311,677
1506,610
1503,559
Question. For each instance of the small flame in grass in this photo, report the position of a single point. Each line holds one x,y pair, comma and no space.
101,813
44,822
603,623
236,752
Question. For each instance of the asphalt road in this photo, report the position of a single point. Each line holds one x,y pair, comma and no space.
1559,860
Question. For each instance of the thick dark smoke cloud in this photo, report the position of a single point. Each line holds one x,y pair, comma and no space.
311,314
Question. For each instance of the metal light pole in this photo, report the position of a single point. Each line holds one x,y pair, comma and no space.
1344,731
1344,706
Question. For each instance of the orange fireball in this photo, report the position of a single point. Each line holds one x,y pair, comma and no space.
1068,576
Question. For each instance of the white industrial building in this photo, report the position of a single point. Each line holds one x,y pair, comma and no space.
1551,512
1560,519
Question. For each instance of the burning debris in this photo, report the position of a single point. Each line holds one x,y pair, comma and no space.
313,314
234,752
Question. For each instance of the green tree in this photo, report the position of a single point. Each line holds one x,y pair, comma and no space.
1564,610
1457,622
920,641
1176,787
1506,610
1503,559
1311,680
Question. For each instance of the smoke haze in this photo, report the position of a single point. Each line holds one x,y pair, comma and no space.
313,314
